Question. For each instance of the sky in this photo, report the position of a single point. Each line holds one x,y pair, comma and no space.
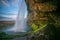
9,9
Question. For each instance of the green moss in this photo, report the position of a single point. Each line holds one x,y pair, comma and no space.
34,27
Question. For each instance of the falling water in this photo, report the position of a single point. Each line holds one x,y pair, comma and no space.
21,22
20,25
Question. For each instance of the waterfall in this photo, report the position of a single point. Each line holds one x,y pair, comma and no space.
21,21
20,25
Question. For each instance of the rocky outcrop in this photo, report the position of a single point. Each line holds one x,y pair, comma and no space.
41,12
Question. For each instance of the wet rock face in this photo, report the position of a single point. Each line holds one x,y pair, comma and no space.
41,12
42,5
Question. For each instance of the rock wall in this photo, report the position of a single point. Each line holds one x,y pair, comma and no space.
41,12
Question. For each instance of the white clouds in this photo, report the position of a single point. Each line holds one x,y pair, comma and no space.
8,18
5,3
8,3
